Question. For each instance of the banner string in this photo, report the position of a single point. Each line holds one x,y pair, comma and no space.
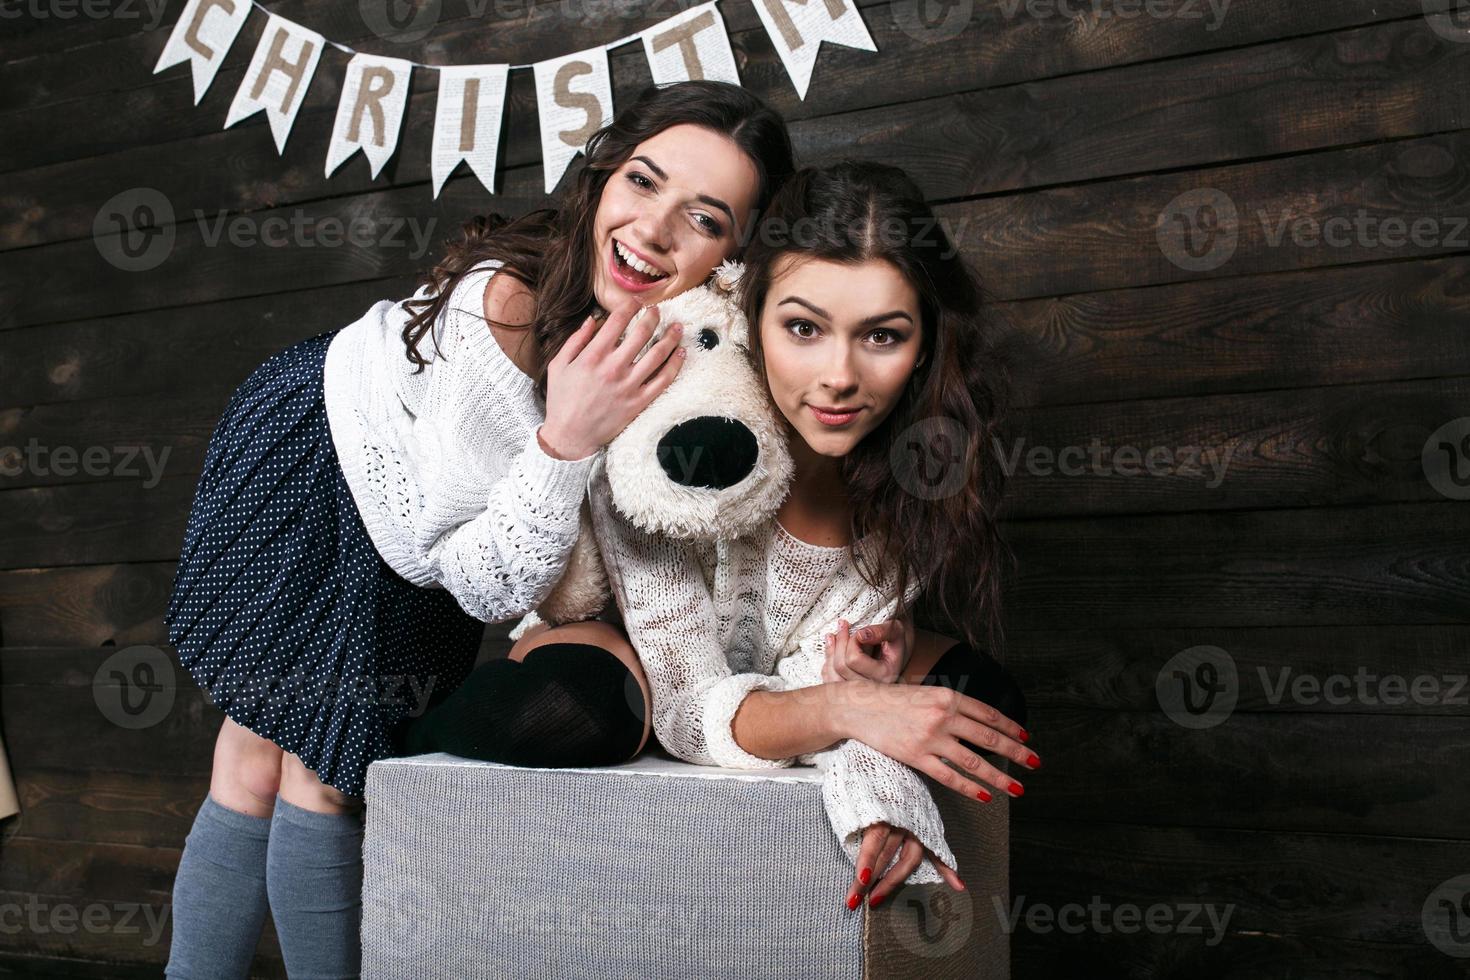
638,35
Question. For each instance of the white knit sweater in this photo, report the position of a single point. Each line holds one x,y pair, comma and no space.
713,621
445,468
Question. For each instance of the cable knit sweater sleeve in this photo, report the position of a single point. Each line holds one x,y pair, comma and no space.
496,536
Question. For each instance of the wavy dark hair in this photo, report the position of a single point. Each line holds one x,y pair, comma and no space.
852,212
550,250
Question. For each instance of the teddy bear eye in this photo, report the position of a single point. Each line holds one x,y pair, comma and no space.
708,339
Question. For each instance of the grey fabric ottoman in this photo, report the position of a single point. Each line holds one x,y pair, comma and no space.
654,868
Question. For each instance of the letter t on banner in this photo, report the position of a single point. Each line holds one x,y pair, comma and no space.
467,121
798,28
691,45
574,100
275,81
370,113
203,35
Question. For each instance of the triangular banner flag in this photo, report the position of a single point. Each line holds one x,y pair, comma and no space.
798,28
467,121
574,100
276,80
370,113
202,37
690,45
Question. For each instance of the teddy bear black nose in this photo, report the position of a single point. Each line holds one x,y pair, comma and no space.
708,451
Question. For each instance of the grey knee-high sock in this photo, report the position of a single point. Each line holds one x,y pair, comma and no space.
219,900
314,877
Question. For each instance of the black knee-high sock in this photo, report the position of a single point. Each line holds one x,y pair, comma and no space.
565,704
977,674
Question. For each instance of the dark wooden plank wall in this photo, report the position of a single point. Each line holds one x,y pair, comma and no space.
1053,145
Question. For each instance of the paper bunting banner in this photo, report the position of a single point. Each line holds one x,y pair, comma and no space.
690,45
371,111
798,28
467,122
574,100
277,77
203,35
573,92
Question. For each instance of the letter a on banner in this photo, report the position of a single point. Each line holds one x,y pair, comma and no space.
574,100
203,35
467,122
277,77
798,28
370,112
691,45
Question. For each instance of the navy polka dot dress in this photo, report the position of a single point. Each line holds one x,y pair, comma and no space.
282,610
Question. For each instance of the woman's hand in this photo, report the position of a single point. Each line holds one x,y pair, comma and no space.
922,726
593,387
876,653
881,841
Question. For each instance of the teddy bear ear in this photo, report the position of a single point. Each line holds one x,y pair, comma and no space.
727,276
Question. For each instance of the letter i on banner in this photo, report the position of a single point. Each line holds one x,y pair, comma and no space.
276,80
467,122
574,100
798,28
370,113
202,37
691,45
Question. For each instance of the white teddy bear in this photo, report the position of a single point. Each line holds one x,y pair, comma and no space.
707,459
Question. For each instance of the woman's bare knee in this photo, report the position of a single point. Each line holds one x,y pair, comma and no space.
247,770
596,633
301,787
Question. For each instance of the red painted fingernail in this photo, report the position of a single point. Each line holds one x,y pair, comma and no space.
873,902
866,875
852,902
1015,789
1024,736
983,796
1032,761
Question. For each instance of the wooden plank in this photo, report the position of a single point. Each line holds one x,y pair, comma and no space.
1097,236
77,802
85,606
1403,563
1366,889
1066,129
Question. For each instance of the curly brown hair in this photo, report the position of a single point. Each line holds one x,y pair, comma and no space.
852,212
550,250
